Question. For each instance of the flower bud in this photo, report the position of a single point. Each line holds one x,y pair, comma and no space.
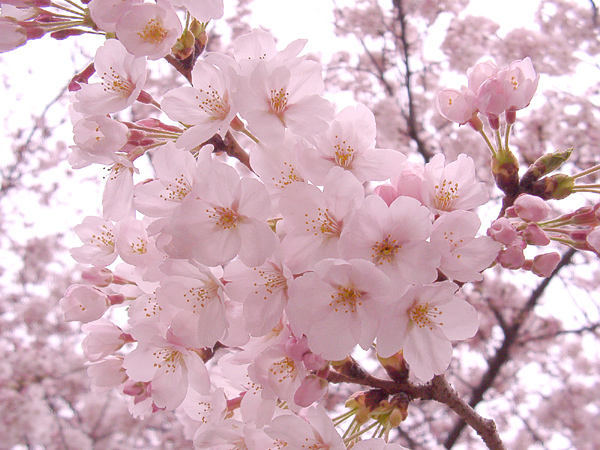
544,265
311,389
556,187
395,366
502,231
505,169
534,235
544,165
531,208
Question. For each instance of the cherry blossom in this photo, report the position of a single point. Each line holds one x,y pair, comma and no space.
148,29
464,256
207,106
122,77
106,13
226,216
345,296
349,143
452,186
316,431
394,238
170,367
198,294
275,97
263,290
98,240
422,323
314,219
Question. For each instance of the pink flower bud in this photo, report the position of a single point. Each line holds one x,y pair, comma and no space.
502,231
296,348
531,208
511,258
116,299
456,106
593,239
544,265
534,235
100,277
313,362
311,389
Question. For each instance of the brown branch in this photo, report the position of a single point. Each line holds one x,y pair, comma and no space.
502,355
437,389
413,129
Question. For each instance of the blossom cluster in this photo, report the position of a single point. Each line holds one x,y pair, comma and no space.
490,91
227,290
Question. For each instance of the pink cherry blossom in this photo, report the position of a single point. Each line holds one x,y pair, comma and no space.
226,216
464,256
520,83
98,240
456,106
84,303
175,176
170,367
133,244
317,431
263,290
98,140
337,306
314,219
106,13
479,73
207,106
106,374
198,296
122,77
149,29
394,238
349,143
276,97
103,338
422,323
453,186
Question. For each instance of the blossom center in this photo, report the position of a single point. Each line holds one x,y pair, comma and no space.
199,296
177,190
423,315
154,32
283,369
288,177
211,103
279,99
139,246
385,251
105,238
324,223
446,194
115,83
345,300
344,154
273,280
168,358
225,217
